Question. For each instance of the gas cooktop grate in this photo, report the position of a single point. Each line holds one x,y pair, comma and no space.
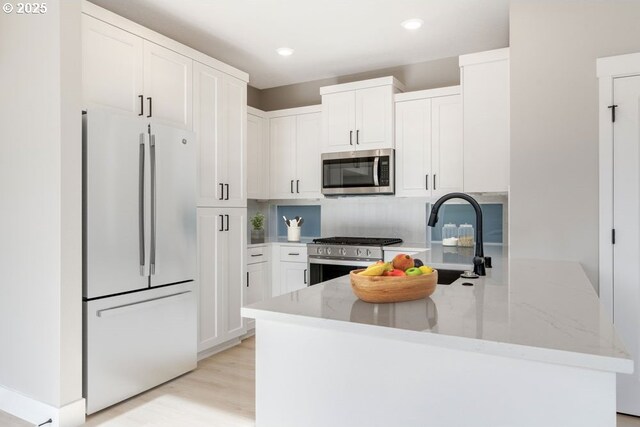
355,241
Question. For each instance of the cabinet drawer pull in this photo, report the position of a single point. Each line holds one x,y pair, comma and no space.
294,253
255,255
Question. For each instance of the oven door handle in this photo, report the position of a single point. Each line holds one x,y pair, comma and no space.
326,261
376,180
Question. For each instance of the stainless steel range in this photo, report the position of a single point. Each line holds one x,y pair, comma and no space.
332,257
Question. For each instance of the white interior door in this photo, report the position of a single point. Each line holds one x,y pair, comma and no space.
173,215
413,148
308,167
447,147
626,222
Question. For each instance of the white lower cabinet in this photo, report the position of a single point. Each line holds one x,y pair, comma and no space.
257,277
221,274
289,268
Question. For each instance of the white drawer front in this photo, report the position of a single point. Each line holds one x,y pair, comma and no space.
294,253
257,254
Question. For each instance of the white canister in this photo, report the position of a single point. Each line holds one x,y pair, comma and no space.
293,233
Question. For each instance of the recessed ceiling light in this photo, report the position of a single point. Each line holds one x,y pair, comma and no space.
412,24
284,51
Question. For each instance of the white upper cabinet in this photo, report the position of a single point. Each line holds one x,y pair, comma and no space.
429,146
308,164
485,91
112,67
257,155
446,144
359,115
282,144
127,73
294,143
219,111
167,86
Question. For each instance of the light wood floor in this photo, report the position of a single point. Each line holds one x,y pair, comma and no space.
219,393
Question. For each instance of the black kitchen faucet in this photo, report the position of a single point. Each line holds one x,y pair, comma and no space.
479,260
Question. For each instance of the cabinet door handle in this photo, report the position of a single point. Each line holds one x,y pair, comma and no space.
434,181
426,182
291,186
305,276
227,187
141,105
294,253
256,255
358,137
247,279
227,228
297,185
221,192
350,137
221,222
150,107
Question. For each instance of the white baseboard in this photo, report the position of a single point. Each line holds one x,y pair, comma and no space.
36,412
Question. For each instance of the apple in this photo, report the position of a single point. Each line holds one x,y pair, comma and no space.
402,262
413,271
394,272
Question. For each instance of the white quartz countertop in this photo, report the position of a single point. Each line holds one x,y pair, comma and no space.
538,310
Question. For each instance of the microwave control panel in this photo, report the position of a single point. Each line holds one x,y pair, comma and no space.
384,171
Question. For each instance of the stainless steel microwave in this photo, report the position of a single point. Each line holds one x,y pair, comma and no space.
358,172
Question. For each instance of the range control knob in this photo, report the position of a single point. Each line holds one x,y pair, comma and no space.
358,251
343,251
368,252
328,251
320,251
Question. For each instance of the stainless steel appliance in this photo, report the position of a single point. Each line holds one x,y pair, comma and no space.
358,172
139,252
332,257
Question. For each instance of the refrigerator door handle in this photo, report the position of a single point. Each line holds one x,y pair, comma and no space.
141,204
152,155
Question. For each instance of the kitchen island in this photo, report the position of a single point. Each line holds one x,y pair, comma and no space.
526,345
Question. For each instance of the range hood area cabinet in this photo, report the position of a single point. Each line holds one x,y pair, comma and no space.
359,115
294,145
485,99
429,143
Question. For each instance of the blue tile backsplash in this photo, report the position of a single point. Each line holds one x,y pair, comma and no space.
464,214
311,215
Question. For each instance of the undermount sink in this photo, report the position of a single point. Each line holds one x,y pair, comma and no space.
447,277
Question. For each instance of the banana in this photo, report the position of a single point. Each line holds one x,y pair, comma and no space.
374,270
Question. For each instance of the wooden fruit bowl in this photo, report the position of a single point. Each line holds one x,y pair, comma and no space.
392,288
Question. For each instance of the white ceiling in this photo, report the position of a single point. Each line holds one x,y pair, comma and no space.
330,37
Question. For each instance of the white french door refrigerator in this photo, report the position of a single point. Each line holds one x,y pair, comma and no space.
139,250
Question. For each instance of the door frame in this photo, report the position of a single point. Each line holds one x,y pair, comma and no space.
608,69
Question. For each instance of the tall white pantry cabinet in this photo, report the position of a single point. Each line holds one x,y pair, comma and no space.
129,68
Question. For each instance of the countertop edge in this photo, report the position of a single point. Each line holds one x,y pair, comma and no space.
482,346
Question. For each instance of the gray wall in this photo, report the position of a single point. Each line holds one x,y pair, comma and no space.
41,205
426,75
554,122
